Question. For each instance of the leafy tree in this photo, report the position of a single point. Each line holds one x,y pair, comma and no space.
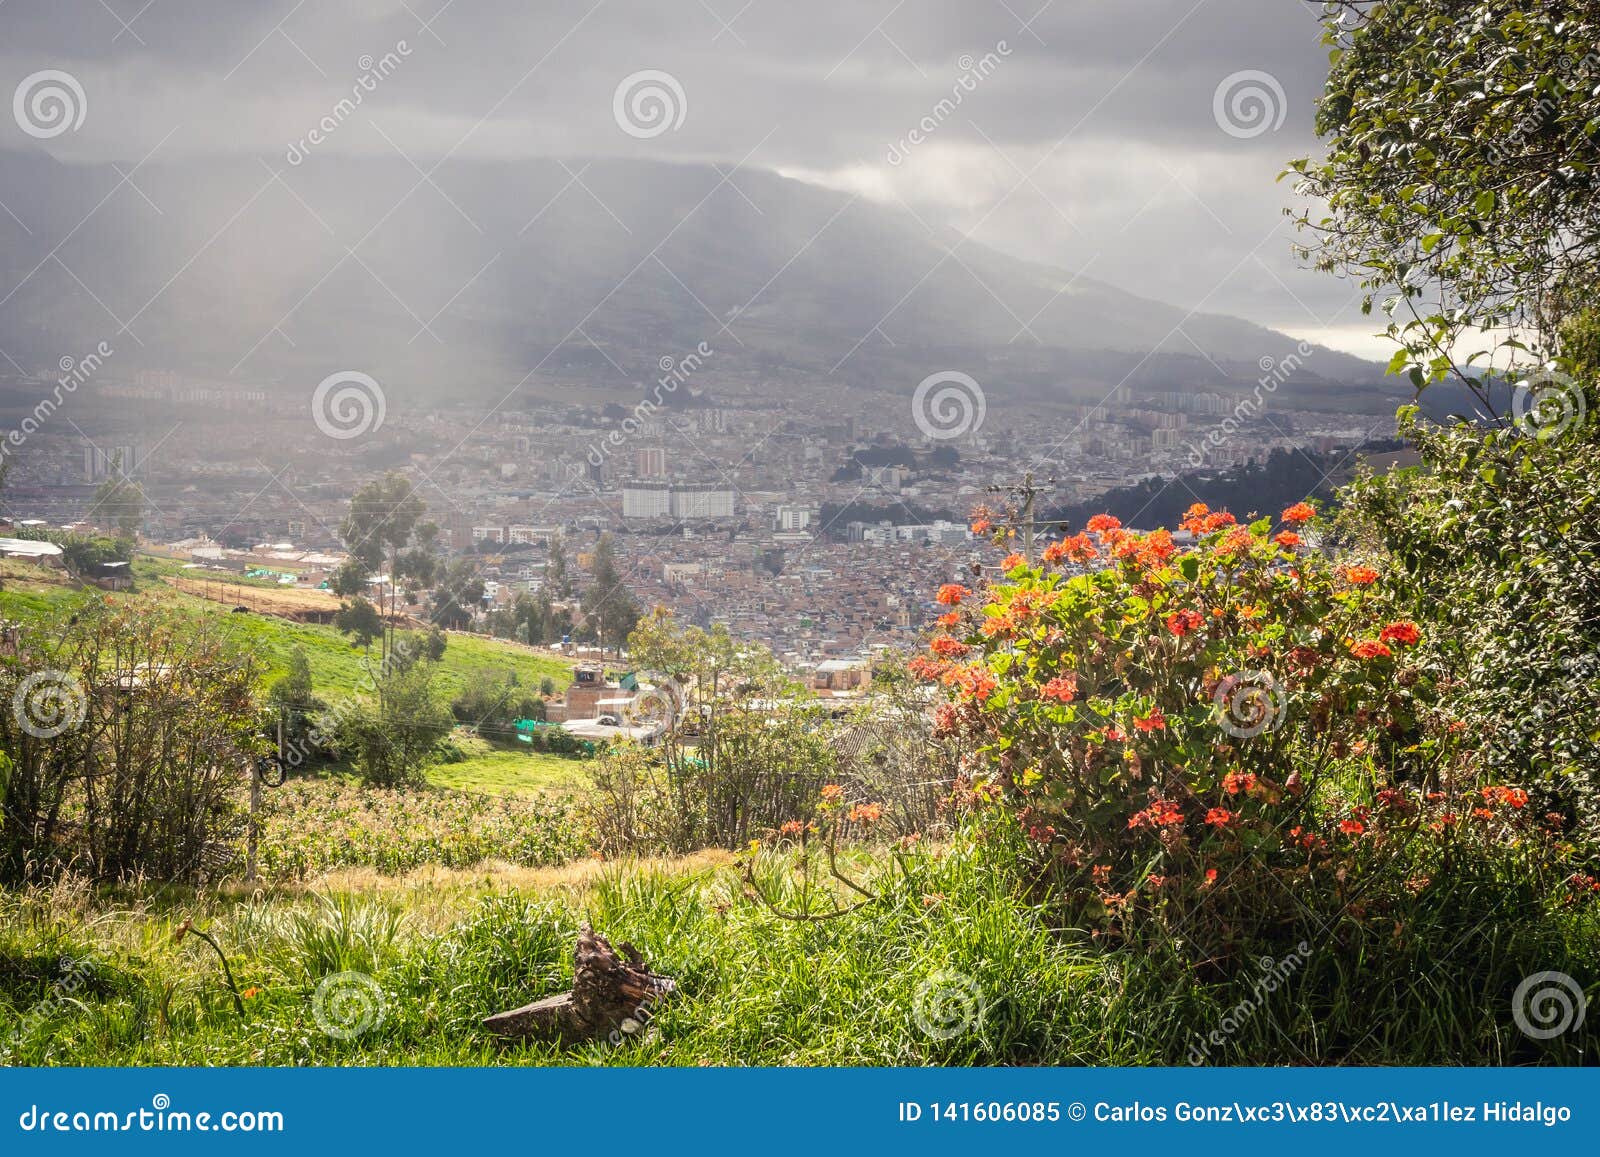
1460,177
458,595
294,700
122,500
724,765
557,573
127,732
361,620
492,702
381,524
1460,181
394,741
611,610
83,554
349,579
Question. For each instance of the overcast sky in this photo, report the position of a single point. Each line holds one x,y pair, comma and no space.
1091,134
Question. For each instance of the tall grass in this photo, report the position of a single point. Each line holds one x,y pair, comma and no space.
945,968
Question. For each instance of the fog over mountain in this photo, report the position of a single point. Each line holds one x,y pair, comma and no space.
489,271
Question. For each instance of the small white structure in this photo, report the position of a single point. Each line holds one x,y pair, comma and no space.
30,549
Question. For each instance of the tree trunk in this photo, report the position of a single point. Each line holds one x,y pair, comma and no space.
611,997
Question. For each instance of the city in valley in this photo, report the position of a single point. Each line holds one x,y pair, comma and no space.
799,514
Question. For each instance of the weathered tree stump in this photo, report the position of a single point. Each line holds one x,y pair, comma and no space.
611,997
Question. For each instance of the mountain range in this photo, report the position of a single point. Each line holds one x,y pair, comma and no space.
477,273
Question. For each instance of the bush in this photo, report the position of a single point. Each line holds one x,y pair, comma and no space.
394,738
127,747
491,703
1494,542
1211,742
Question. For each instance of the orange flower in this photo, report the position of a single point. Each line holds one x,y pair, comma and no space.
1370,649
947,648
948,620
1299,512
1238,540
832,793
1063,689
1511,796
1220,817
1361,576
1080,547
1101,523
951,594
1286,538
1402,632
1154,721
250,993
866,813
791,828
1352,827
1011,562
1236,781
1211,877
1180,623
982,526
1157,547
1200,519
996,625
976,682
1160,814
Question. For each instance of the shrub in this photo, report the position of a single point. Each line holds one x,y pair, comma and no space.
492,702
1493,541
128,737
1218,736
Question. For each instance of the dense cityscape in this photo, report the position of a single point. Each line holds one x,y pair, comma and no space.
818,537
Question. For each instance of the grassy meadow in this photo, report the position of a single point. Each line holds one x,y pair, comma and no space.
32,594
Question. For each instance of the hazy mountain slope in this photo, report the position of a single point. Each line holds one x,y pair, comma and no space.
488,270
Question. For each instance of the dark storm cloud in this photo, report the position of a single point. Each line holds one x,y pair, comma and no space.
1091,141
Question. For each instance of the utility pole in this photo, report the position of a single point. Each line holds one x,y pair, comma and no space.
1027,492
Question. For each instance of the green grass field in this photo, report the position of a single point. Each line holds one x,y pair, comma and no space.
31,594
501,770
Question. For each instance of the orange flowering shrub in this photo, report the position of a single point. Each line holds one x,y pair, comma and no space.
1168,718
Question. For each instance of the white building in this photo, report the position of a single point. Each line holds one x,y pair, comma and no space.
646,500
702,501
